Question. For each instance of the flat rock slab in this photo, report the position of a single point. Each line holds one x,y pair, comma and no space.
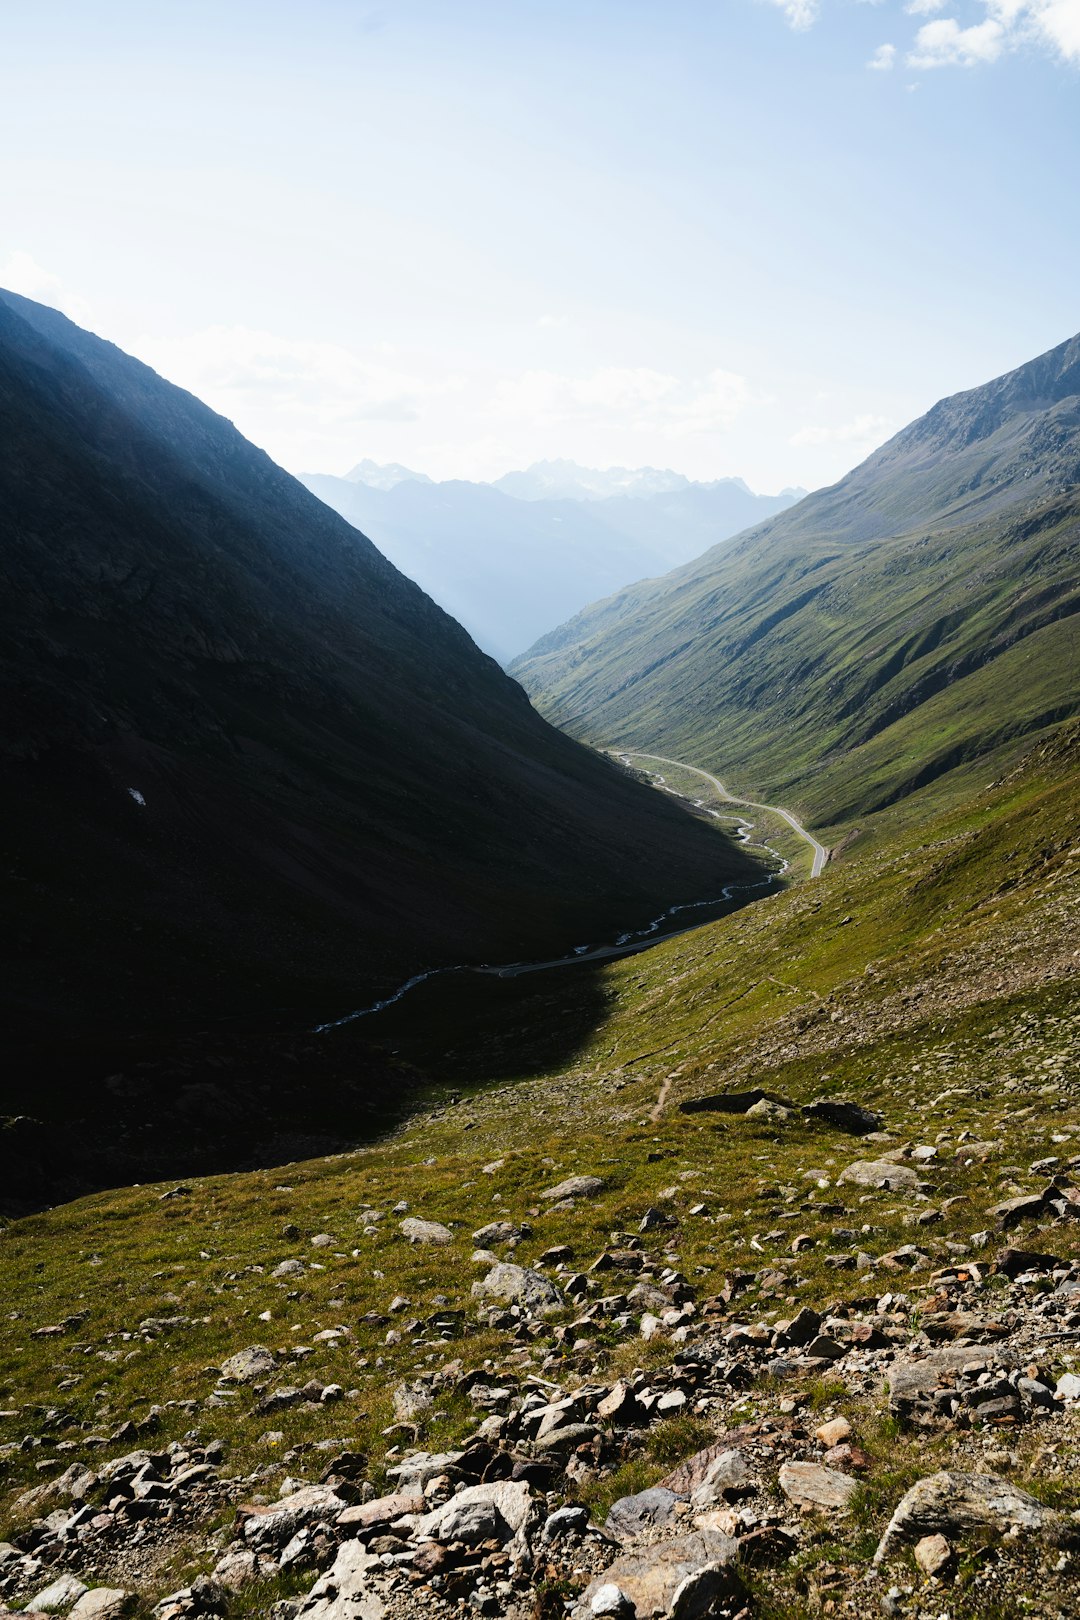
575,1187
273,1524
650,1579
345,1592
632,1516
516,1285
418,1231
384,1510
814,1487
880,1173
953,1503
690,1475
59,1596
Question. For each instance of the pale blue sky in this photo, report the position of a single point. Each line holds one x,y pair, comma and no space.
468,234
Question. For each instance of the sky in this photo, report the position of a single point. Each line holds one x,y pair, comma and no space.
731,237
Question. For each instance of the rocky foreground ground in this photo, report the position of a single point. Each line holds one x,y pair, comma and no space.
965,1360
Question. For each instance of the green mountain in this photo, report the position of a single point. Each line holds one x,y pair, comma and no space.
911,621
254,773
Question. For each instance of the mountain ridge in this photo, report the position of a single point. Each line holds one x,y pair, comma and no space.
847,651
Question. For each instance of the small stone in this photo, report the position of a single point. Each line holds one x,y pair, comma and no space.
933,1554
610,1601
833,1432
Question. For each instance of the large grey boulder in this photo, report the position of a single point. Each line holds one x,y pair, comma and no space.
59,1596
346,1592
418,1231
104,1603
575,1187
727,1478
652,1580
501,1511
843,1115
514,1285
632,1516
953,1503
880,1173
275,1524
247,1365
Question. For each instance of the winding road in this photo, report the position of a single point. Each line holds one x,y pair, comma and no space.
821,854
628,944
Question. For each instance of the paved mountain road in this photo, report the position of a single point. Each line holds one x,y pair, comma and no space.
821,854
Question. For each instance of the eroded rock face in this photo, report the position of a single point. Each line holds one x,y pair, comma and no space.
956,1504
517,1286
651,1579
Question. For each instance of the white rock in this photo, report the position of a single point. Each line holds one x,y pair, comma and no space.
418,1231
59,1596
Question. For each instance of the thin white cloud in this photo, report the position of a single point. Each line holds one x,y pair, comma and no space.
1049,25
944,43
1057,22
800,14
867,430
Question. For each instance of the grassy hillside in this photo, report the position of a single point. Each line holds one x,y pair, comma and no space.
932,979
916,617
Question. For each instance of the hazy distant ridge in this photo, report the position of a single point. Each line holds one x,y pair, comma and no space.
512,559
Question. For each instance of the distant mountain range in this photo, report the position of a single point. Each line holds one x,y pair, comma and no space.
512,559
914,620
251,770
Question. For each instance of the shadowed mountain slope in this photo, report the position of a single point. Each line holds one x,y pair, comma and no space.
251,769
915,617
